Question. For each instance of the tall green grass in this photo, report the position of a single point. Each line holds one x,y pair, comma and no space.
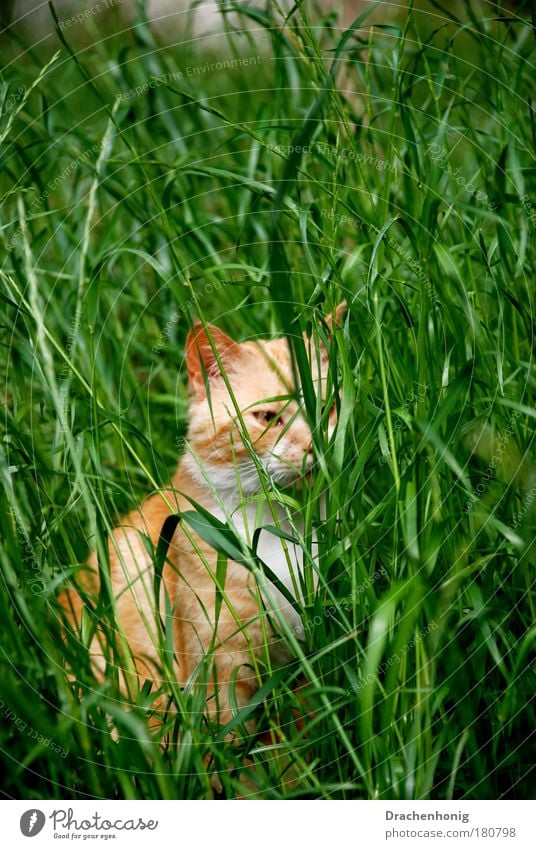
391,165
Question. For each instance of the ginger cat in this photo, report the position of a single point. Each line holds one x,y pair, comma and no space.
219,471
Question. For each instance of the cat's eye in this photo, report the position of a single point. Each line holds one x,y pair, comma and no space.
267,417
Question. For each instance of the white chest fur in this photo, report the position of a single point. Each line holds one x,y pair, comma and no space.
283,557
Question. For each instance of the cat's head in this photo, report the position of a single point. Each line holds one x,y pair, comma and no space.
244,402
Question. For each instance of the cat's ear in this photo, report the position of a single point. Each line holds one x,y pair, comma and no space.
332,320
335,318
204,346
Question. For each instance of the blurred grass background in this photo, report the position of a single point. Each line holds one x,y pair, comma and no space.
391,165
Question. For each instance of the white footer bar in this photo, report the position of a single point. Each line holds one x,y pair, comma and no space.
297,824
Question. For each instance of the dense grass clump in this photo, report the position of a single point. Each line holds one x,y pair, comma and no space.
297,164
